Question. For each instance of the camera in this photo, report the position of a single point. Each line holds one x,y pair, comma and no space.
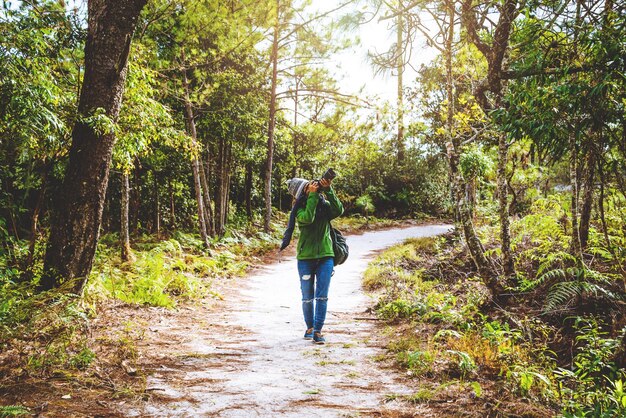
329,174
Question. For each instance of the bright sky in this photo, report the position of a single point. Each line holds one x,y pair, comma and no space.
353,67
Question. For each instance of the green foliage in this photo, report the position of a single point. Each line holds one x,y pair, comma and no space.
157,277
466,364
13,411
562,294
365,204
418,362
99,122
594,386
48,329
529,380
474,163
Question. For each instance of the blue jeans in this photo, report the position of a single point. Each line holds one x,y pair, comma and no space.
314,282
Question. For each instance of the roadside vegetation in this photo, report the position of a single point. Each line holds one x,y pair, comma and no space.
552,344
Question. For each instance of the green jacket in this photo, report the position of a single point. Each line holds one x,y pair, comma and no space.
313,220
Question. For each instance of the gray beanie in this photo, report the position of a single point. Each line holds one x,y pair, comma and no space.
296,186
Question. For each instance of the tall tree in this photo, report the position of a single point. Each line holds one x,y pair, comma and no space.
443,39
495,53
78,209
269,161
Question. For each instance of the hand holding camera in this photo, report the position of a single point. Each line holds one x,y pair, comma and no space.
326,179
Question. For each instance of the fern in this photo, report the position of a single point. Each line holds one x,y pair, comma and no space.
562,294
559,257
580,272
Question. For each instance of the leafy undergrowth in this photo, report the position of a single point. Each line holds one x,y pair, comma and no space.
552,346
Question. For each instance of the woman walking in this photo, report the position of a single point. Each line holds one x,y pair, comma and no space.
315,204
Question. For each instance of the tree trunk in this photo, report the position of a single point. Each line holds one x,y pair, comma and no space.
34,225
78,209
157,206
605,229
272,125
126,253
195,166
475,247
575,246
172,207
248,190
219,196
400,100
135,199
208,214
105,225
295,135
227,175
503,207
585,213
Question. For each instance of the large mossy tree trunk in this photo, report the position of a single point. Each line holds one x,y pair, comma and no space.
77,212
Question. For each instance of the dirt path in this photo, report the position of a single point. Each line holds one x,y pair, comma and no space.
248,358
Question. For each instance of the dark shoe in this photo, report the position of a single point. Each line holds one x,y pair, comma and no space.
308,334
318,338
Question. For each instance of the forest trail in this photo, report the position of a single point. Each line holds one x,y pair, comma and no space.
248,358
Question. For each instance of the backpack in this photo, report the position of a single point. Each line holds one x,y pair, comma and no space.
340,247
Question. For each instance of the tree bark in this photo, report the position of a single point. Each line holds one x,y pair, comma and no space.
272,125
475,247
495,53
503,207
172,206
157,206
135,199
126,252
219,196
575,246
248,190
588,185
605,229
227,175
195,166
77,213
400,99
208,214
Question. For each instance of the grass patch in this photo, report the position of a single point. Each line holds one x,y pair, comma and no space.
13,411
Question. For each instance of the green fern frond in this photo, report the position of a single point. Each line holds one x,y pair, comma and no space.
562,294
557,258
555,274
